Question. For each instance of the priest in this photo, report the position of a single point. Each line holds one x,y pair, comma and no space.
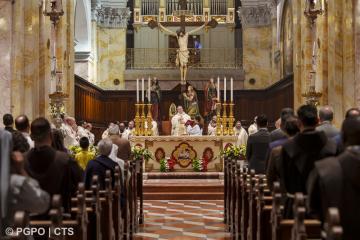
178,122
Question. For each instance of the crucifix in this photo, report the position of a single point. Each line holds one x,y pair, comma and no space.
182,36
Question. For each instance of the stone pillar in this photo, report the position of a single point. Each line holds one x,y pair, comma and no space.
357,52
257,44
109,46
6,11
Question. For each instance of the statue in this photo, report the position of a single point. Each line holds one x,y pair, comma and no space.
210,98
155,99
191,102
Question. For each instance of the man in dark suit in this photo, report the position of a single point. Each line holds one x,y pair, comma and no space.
279,133
101,164
300,153
335,182
326,116
258,145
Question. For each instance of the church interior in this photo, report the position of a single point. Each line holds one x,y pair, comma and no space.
180,119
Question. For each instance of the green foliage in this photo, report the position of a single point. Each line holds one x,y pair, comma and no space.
139,153
164,165
196,165
234,152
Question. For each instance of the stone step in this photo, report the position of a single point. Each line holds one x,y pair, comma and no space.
184,196
184,175
156,188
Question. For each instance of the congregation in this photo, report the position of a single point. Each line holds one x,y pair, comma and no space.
306,153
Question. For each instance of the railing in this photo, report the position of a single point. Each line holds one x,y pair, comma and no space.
150,7
218,7
164,58
195,5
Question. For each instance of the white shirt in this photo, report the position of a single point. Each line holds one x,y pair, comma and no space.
194,131
28,139
252,129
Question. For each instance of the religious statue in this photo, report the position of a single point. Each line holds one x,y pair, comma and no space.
191,102
178,122
210,98
155,99
182,56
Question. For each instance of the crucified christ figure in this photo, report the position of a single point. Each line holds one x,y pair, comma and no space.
182,56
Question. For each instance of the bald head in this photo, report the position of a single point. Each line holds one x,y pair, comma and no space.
22,123
326,113
352,112
351,131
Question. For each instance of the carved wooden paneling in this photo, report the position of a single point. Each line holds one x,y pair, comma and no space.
100,107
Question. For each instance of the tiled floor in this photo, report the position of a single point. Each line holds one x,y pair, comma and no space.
187,219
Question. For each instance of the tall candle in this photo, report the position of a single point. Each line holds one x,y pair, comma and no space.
149,89
231,90
218,88
224,89
142,89
137,90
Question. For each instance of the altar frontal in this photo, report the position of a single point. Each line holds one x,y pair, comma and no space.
184,153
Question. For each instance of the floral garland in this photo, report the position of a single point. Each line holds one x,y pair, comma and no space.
200,165
76,149
139,153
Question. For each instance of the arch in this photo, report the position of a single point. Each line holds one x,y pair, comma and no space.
287,38
83,26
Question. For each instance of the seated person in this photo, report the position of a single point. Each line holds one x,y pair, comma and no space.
193,128
212,126
101,164
85,155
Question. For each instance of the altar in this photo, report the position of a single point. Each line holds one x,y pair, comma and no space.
183,150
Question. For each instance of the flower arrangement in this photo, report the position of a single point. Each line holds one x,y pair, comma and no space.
139,153
234,152
56,109
76,149
199,165
167,165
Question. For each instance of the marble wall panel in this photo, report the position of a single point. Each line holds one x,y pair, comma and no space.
5,56
257,45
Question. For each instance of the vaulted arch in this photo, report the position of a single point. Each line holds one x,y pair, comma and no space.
83,26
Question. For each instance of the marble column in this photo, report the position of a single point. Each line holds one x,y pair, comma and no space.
357,52
5,56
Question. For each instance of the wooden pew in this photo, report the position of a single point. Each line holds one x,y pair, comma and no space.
282,228
333,228
233,194
263,208
245,205
240,179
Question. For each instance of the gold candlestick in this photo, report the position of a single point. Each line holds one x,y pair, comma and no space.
143,117
218,119
231,119
224,120
137,120
149,120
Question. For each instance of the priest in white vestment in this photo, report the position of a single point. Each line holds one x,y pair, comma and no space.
241,134
212,126
253,127
69,129
178,122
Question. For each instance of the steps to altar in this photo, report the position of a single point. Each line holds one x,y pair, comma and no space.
183,186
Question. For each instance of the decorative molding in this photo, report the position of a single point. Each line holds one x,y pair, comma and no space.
255,16
109,16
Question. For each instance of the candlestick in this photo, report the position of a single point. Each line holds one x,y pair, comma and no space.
137,119
218,119
224,89
218,89
149,120
231,119
142,90
231,89
149,90
137,90
224,120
